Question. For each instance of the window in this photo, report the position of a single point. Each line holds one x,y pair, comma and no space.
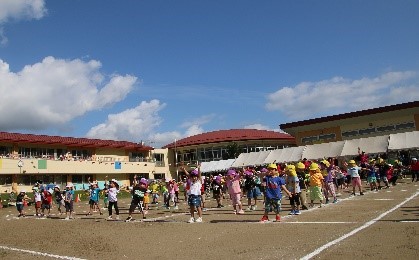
159,176
77,178
385,128
367,131
5,179
405,125
309,139
350,133
327,136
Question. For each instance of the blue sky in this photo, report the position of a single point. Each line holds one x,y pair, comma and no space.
162,70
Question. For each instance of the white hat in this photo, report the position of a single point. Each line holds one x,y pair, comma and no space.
414,159
23,191
113,180
56,186
69,185
50,191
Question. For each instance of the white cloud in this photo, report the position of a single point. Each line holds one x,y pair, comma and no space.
340,95
53,92
133,124
15,10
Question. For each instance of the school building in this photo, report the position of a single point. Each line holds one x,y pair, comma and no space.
373,122
27,158
222,145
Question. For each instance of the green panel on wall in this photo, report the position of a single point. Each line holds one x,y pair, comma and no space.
42,164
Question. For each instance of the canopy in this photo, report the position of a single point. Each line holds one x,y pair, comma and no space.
324,150
261,158
377,144
251,159
215,166
241,160
408,140
289,154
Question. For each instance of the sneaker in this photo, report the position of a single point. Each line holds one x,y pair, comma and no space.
240,212
117,217
321,205
204,209
352,194
219,206
199,220
145,212
67,218
297,212
249,208
292,212
327,201
254,207
109,218
361,193
191,220
304,207
176,208
264,219
278,219
128,219
335,200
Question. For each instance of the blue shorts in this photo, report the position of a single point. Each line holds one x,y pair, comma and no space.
194,200
19,207
253,193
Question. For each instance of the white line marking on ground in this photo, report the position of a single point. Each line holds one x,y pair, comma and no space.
403,190
383,199
369,223
319,222
410,221
40,253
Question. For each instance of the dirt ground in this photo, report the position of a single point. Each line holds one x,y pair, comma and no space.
224,235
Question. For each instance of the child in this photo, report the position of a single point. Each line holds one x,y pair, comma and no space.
139,189
105,197
328,184
252,191
194,193
316,180
46,202
233,184
20,202
172,194
94,198
273,195
38,201
353,171
301,174
292,184
112,198
69,201
59,200
371,176
217,190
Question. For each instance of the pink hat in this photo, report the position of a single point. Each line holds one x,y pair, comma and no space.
143,181
248,173
231,172
264,170
194,172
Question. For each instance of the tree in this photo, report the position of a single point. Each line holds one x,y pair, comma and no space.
232,151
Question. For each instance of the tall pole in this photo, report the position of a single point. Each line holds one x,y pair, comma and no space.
177,171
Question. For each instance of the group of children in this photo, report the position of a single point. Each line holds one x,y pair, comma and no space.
318,179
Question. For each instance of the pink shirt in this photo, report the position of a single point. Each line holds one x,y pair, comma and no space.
234,185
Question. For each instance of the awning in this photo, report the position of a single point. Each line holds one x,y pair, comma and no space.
408,140
241,160
215,166
377,144
261,159
251,159
289,154
325,150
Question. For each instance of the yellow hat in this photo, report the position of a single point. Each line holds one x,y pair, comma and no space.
290,167
352,162
325,162
314,167
372,160
272,166
301,165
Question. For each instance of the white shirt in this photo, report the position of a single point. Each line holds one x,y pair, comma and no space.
195,188
37,196
112,194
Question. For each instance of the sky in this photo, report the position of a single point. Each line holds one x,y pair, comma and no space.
156,71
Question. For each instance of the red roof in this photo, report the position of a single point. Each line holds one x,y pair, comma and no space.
70,141
230,136
351,115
